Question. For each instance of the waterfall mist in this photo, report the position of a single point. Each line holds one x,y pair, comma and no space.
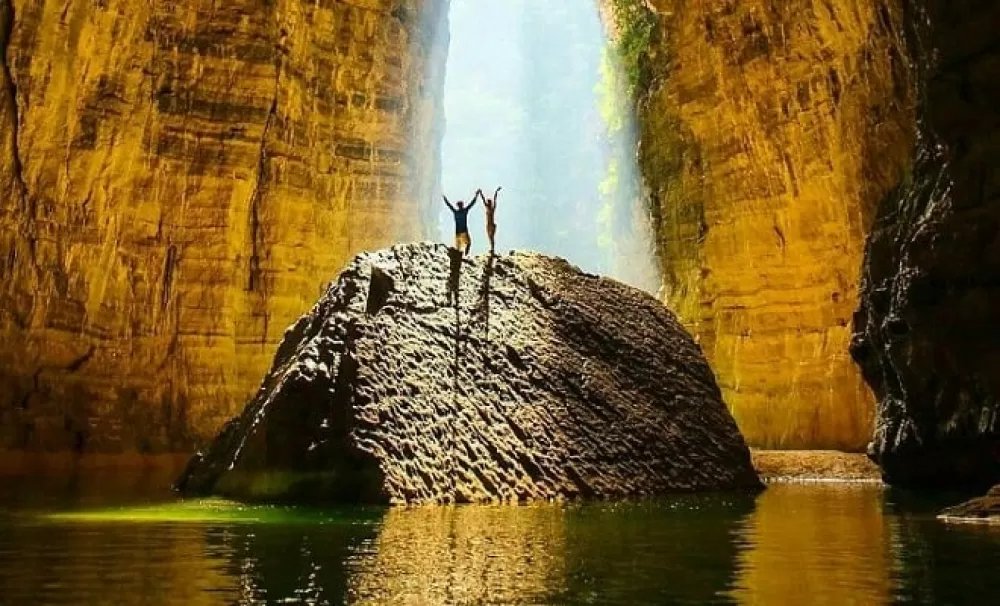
535,102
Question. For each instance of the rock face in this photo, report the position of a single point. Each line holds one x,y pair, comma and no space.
540,382
176,180
928,324
770,130
985,509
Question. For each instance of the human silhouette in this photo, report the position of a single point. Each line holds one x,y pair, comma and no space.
491,222
463,241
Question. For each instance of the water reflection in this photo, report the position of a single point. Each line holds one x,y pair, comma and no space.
940,563
599,553
790,545
816,545
108,564
674,551
463,555
299,564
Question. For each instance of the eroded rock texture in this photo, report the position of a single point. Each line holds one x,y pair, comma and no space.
176,181
770,129
984,509
541,382
928,326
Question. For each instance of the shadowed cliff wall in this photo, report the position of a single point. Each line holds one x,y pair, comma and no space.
177,181
769,131
928,323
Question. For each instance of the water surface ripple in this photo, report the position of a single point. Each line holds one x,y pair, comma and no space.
793,544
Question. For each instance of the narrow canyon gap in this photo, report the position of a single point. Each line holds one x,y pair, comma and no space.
767,133
160,227
535,101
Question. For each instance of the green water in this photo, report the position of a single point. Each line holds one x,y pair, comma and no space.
124,540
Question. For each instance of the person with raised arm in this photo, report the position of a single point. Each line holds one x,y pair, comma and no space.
463,241
491,220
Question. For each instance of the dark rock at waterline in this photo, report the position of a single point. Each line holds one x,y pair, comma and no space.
985,509
927,333
542,382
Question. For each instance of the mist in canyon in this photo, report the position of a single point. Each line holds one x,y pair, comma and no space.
535,102
225,355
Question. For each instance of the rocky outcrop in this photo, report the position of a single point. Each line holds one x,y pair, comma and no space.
770,130
980,510
176,180
422,377
929,318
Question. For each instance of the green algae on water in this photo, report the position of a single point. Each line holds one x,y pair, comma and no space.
201,511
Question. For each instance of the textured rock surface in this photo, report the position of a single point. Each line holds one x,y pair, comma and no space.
541,382
770,129
814,466
176,182
929,320
985,509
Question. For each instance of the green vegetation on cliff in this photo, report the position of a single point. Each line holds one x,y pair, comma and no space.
634,25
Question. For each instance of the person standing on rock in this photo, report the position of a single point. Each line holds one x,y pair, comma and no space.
491,221
463,241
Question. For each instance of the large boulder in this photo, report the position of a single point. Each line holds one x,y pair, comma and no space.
421,377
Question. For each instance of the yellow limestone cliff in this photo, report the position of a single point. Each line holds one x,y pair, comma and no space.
177,182
769,131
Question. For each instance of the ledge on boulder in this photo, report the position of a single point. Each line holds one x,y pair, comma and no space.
981,510
423,377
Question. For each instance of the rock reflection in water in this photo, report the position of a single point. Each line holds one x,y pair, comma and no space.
462,555
816,545
651,552
678,550
794,544
942,563
289,564
111,564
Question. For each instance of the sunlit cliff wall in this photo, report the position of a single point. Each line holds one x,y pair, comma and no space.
770,130
177,181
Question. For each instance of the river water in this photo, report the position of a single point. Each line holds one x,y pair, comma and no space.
122,539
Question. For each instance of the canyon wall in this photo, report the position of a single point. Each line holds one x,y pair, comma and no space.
177,182
769,131
928,325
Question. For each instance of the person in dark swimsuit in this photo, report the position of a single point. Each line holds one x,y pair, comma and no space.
463,241
491,220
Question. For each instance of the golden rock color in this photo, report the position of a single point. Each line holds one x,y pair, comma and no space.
769,132
177,182
463,555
